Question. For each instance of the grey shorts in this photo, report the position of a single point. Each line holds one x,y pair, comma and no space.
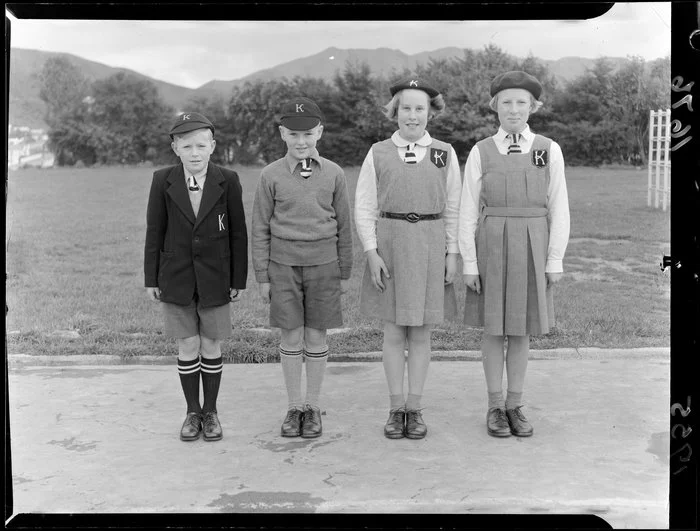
305,296
193,320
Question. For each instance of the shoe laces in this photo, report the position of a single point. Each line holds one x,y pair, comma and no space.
311,413
194,420
501,414
209,418
519,414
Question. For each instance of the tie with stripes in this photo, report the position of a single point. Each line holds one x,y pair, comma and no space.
514,146
410,155
192,184
305,168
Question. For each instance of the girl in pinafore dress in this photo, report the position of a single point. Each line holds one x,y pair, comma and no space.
513,233
406,213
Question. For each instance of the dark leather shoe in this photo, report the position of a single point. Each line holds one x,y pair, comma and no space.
415,427
212,428
311,423
394,427
291,427
519,425
497,423
192,427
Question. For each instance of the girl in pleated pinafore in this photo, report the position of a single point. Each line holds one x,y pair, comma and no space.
514,228
406,212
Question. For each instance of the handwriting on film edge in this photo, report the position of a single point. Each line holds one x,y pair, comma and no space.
677,129
684,411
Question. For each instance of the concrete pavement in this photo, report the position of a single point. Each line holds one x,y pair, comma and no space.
104,439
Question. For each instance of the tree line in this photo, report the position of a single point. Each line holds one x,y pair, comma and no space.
601,117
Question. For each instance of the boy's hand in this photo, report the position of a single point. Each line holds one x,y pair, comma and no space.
344,285
234,294
473,282
553,278
376,268
450,268
153,294
264,290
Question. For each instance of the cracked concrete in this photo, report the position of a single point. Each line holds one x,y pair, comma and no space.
104,439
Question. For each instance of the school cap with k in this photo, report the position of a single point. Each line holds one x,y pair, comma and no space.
516,79
189,121
414,83
300,114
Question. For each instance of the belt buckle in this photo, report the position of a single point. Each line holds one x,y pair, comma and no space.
412,217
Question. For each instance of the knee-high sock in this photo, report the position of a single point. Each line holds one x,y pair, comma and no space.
189,378
211,378
315,369
292,362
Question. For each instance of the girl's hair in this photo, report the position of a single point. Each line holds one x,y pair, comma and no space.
535,105
437,105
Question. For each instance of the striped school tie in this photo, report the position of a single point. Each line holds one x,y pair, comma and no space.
192,184
305,168
514,146
410,156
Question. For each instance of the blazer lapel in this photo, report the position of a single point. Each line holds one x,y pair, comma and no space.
211,193
178,191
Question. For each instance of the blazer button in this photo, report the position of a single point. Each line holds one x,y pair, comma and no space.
196,239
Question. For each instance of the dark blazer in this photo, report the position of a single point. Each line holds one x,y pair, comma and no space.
208,254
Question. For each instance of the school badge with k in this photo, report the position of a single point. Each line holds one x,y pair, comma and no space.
540,158
438,157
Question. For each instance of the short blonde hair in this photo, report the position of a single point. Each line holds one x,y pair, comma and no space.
437,106
178,136
535,104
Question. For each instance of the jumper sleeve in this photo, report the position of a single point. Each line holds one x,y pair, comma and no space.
469,212
341,205
156,223
263,206
558,205
366,204
451,212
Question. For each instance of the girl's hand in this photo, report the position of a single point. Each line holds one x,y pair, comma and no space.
376,268
264,290
553,278
234,295
473,282
344,286
450,268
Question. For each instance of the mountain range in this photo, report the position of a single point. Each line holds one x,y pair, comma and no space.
26,108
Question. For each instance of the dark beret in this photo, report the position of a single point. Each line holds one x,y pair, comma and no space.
413,83
189,121
516,79
300,114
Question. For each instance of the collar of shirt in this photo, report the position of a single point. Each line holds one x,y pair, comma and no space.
199,177
502,135
293,162
400,141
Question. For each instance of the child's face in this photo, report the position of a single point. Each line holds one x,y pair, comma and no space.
301,143
513,108
412,114
194,149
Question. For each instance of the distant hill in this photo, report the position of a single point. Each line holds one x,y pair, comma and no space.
26,108
25,65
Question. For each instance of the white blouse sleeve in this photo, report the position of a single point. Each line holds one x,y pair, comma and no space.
469,211
451,212
366,204
558,205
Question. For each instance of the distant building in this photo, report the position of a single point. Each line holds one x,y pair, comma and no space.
27,147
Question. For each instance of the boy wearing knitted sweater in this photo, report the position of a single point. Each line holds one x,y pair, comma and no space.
302,256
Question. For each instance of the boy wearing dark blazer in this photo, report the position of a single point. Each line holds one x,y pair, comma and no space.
196,263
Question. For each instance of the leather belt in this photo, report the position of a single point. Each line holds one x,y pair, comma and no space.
411,217
514,212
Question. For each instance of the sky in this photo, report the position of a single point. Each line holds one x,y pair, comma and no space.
228,50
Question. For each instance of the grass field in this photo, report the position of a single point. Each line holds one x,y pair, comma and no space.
75,238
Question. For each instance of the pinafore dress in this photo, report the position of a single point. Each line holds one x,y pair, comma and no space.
512,238
414,253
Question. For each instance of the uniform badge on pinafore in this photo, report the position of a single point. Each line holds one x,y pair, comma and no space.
438,157
540,158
